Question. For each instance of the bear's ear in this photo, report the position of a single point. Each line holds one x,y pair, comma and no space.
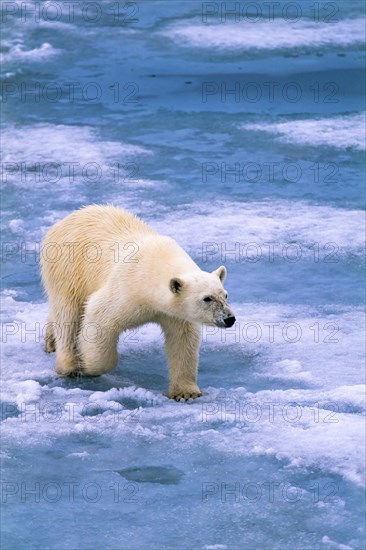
176,285
221,273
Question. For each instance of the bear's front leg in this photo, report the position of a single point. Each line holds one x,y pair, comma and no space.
98,336
182,343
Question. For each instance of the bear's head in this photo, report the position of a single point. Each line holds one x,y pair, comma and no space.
199,297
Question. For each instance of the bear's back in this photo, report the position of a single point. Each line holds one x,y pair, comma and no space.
104,222
80,251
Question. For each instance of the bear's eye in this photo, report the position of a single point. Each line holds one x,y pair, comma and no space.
207,299
225,295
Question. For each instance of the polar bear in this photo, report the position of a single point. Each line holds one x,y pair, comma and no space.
106,271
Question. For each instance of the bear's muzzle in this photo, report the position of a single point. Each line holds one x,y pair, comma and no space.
229,321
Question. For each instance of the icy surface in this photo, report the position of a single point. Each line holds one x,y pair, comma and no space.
264,35
341,132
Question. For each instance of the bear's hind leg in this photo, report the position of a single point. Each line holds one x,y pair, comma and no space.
67,321
98,336
49,337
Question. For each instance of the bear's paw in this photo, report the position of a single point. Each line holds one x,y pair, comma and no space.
185,394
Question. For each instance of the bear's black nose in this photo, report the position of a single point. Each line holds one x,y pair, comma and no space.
229,321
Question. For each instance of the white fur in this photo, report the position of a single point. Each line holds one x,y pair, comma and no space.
106,271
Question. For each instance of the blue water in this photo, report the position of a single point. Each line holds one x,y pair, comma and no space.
244,140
